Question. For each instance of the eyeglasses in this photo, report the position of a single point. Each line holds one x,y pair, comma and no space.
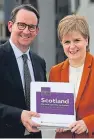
22,26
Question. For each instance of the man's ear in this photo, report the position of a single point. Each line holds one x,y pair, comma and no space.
37,30
10,23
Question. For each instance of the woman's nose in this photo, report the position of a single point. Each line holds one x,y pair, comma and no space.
72,45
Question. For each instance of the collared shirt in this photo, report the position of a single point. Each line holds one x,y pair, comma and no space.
18,55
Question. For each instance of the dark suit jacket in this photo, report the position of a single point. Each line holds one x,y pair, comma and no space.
12,100
85,99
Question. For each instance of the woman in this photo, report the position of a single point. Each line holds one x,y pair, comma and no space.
73,33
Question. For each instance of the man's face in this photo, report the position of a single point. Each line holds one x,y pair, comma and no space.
22,35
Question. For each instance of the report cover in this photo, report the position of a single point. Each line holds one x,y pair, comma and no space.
55,103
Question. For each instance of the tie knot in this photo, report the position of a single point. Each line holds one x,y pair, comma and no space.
25,57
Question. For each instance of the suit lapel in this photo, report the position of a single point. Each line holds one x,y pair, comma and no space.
12,66
65,72
85,75
36,67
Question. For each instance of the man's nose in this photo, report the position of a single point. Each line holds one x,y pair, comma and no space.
26,30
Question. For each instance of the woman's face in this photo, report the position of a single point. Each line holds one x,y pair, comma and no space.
74,45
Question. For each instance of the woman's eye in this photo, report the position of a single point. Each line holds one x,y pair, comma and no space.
77,40
67,42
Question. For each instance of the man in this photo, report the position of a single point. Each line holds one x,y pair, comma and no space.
15,118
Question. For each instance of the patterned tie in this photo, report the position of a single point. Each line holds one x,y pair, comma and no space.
27,80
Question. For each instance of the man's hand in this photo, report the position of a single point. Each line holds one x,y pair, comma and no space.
26,119
78,127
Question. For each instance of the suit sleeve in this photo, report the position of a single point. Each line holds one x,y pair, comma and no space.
89,121
9,114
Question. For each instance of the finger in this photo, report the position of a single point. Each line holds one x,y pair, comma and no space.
66,129
35,114
34,129
61,130
34,124
58,130
75,128
72,125
29,128
80,130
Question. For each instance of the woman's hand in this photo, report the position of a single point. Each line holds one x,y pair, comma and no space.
78,127
60,130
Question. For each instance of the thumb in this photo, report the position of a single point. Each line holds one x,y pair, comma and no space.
34,114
